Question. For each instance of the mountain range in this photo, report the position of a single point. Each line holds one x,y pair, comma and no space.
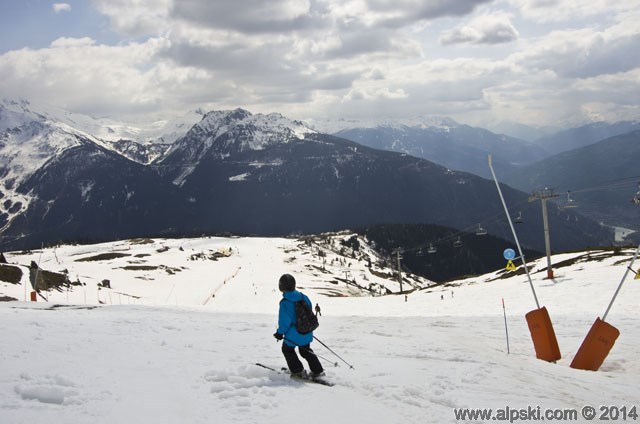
450,144
598,180
585,135
235,172
594,163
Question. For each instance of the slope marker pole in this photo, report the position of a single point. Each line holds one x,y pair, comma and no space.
506,329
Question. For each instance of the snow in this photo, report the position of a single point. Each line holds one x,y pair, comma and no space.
32,134
233,131
240,177
264,130
19,112
176,339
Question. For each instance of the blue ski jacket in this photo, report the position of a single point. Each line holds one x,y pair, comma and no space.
287,319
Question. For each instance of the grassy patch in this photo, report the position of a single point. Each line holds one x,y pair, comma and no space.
10,274
103,257
169,270
7,299
140,267
141,241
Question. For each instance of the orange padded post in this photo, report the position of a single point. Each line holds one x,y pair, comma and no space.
543,336
596,346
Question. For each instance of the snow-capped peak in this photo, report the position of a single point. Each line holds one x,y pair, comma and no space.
230,131
251,131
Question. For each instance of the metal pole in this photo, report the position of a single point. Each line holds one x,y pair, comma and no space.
513,230
624,277
399,269
544,195
547,243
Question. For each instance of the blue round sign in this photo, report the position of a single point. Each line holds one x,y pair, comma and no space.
509,254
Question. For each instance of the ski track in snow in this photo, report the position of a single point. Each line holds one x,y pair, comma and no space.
414,362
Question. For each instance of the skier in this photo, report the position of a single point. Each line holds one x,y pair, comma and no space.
318,310
290,336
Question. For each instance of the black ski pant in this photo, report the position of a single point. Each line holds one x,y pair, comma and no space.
293,362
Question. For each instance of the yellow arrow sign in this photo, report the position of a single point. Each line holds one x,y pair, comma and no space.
510,266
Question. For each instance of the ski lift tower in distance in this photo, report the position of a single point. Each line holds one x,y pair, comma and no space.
544,195
636,199
398,253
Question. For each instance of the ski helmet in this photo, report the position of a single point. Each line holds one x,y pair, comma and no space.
287,283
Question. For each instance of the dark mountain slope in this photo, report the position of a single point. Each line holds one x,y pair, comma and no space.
602,178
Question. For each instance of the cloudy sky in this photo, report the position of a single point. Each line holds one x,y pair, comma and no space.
538,62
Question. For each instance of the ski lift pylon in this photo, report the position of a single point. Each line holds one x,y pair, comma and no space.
457,243
636,199
481,231
432,248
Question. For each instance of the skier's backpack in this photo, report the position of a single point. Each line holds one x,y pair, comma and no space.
306,320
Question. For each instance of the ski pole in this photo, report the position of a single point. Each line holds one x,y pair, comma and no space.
335,364
339,357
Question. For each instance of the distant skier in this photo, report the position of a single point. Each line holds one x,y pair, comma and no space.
288,333
441,297
318,312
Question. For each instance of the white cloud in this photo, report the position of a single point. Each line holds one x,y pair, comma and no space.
545,11
346,58
84,76
63,42
584,53
487,29
61,7
137,17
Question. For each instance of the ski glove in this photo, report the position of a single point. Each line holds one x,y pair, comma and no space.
278,336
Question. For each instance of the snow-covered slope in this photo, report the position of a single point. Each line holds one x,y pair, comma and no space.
218,272
32,135
106,129
27,141
109,133
192,359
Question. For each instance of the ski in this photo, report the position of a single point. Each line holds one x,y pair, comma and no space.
306,378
